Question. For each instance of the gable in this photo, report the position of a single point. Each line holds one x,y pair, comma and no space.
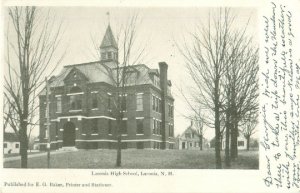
75,75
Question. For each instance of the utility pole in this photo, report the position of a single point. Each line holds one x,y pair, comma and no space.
48,122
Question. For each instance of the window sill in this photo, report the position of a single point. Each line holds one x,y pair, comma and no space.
124,135
110,134
74,111
140,134
94,134
95,109
83,134
58,112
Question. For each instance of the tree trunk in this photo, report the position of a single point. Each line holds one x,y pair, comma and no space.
227,150
248,143
119,144
118,164
201,142
23,144
217,125
234,136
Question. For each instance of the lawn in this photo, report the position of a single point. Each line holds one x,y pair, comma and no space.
17,154
140,159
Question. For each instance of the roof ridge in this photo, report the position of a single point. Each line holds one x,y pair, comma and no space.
81,64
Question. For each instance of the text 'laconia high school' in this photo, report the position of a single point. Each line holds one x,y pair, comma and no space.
82,100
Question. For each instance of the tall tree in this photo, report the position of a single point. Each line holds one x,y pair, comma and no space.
199,127
249,127
129,52
207,59
32,42
222,84
241,86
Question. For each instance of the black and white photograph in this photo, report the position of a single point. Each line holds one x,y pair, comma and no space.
149,96
173,88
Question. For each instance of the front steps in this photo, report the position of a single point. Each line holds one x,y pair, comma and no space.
68,148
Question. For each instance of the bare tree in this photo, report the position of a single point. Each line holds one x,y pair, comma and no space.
130,53
31,45
241,86
223,65
207,59
249,128
199,127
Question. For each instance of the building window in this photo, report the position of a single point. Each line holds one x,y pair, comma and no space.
46,133
94,125
171,113
240,143
153,103
159,106
156,81
171,132
58,104
160,126
109,127
140,126
75,102
103,56
156,105
109,55
94,101
154,126
17,145
5,145
140,145
124,126
187,135
56,128
139,102
109,102
123,102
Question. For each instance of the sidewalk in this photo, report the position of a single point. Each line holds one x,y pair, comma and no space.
33,155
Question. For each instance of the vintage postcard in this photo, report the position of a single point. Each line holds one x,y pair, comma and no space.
137,96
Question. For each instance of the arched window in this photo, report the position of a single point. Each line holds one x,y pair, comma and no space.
75,98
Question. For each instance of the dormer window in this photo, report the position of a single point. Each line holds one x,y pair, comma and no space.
103,56
74,74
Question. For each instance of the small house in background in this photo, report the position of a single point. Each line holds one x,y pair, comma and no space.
190,139
11,143
242,142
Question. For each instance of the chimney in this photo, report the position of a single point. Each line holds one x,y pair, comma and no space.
163,73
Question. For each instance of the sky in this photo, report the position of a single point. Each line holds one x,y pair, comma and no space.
160,30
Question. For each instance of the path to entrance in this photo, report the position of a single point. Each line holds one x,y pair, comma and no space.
33,155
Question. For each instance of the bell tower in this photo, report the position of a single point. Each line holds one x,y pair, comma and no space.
109,48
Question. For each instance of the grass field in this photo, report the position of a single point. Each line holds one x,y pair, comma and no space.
140,159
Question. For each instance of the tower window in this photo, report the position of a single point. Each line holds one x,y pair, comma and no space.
109,55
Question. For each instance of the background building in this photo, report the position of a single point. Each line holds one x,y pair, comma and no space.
82,101
190,139
11,143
